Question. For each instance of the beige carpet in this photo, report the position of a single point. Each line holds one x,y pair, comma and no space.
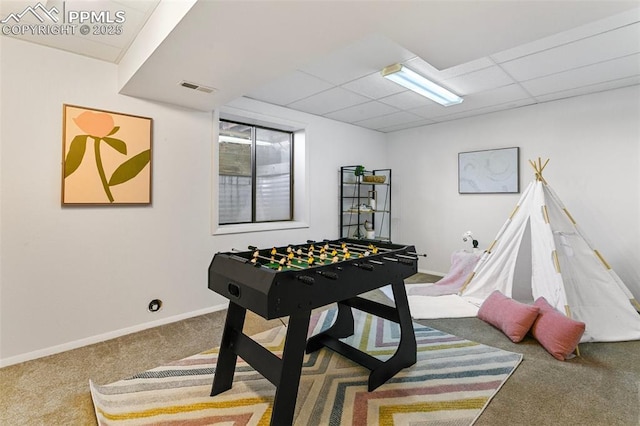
601,387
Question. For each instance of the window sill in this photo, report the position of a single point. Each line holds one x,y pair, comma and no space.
259,227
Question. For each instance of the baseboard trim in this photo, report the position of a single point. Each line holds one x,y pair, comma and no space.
52,350
440,274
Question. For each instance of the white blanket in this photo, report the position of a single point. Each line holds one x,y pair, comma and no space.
447,306
433,307
462,264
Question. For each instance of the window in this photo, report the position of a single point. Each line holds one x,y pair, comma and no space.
255,174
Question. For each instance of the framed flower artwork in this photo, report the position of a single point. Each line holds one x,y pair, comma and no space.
106,157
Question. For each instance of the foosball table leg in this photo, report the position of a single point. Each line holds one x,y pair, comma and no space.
341,328
227,357
406,354
283,372
284,403
381,371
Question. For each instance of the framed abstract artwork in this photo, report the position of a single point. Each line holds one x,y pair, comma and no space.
489,172
106,157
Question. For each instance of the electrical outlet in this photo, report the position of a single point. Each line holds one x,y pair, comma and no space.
155,305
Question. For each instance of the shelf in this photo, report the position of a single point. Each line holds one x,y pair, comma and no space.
354,194
365,211
366,183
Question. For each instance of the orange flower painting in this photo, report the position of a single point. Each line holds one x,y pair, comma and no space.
106,157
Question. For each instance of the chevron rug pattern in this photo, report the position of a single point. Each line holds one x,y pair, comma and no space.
452,382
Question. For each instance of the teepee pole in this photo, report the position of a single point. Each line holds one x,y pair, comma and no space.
569,215
556,261
538,168
604,262
467,281
545,164
545,214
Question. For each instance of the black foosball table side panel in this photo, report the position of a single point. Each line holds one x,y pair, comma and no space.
274,294
241,283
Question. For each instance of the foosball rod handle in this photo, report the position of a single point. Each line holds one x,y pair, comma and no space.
306,279
417,254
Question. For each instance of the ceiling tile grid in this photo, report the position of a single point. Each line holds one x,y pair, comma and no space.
407,100
373,86
328,101
591,50
581,50
290,88
362,112
586,59
586,76
394,119
583,90
349,87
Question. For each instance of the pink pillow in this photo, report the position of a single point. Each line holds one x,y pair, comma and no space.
509,316
557,333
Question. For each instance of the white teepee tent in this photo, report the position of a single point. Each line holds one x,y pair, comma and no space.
566,270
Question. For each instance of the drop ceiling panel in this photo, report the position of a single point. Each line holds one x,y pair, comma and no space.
499,96
289,88
373,86
585,76
433,110
362,112
106,47
78,45
486,110
134,20
461,69
357,60
411,125
396,118
584,90
479,81
101,46
510,93
475,29
565,37
329,101
602,47
407,100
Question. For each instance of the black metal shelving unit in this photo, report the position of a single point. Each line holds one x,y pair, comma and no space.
357,211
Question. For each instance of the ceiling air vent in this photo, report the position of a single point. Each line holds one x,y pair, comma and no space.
198,87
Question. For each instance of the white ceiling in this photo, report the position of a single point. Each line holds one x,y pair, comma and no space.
325,57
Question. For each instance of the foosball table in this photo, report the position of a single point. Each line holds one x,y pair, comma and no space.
292,281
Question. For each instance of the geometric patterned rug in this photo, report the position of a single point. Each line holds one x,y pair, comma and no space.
452,382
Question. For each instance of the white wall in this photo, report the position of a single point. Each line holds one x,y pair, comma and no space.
75,275
593,143
71,276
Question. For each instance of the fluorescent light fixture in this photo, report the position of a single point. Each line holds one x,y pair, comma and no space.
413,81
